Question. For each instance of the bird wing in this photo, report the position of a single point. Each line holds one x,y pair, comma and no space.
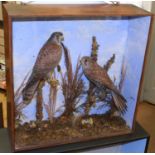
100,77
48,58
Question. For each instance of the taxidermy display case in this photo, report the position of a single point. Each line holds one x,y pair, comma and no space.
74,72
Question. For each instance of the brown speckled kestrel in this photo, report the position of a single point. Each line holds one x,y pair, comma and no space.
99,77
48,58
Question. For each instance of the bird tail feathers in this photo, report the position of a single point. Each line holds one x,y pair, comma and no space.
120,102
29,91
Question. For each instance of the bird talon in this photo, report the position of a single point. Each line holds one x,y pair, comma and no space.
54,82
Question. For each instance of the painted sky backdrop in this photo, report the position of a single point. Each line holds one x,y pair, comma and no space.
113,35
138,30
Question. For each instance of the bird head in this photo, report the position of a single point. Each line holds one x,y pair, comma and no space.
86,62
57,37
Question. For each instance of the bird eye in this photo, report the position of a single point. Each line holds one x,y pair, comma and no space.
85,61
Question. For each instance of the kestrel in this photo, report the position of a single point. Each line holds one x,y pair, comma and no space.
99,77
47,59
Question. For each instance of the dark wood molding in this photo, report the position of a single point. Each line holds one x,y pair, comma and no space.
1,116
9,76
73,10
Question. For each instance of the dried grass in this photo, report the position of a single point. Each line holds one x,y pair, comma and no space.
72,84
123,74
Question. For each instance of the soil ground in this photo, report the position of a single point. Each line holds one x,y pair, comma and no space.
68,130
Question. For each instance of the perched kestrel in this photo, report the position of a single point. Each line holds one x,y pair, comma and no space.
47,59
99,77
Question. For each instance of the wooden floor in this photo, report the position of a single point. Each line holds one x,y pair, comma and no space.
146,117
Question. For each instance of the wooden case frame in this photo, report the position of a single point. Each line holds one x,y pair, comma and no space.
13,12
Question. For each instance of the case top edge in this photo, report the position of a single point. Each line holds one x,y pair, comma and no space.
73,10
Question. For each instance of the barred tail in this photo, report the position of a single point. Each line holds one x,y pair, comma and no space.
29,90
120,102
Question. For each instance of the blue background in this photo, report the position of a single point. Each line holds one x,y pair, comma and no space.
127,38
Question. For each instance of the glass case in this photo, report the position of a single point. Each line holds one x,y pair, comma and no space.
74,71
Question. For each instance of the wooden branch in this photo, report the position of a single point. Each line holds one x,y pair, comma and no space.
39,104
109,63
91,98
95,47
